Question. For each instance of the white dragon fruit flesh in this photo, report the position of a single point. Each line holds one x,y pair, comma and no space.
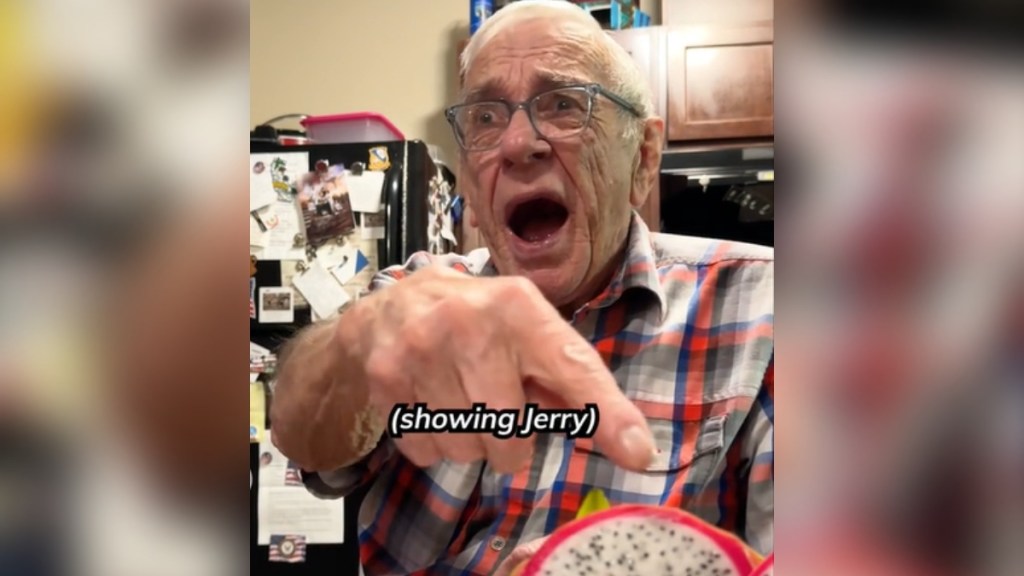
641,540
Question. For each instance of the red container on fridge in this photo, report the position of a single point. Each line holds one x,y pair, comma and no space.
285,139
354,127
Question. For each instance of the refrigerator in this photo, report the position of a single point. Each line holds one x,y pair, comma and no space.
409,204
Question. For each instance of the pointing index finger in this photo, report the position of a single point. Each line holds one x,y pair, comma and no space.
554,356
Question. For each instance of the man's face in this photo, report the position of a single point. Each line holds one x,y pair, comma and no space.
554,211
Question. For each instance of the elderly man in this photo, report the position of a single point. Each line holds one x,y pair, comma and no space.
574,301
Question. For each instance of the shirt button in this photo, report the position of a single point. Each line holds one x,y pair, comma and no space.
498,544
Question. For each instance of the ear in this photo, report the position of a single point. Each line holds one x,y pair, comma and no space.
647,165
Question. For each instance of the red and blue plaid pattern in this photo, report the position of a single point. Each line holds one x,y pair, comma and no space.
687,327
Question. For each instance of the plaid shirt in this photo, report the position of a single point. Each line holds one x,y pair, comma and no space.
687,327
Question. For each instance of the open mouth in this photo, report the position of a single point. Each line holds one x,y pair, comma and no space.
537,220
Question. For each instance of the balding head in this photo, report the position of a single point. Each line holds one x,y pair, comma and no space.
610,62
559,144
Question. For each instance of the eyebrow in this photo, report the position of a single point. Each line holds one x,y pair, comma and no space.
495,89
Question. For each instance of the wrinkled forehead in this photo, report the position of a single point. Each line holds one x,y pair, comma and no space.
531,56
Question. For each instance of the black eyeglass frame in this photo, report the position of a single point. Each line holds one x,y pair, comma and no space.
593,90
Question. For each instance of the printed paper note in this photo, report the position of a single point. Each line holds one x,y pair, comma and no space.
286,507
289,270
354,262
373,226
333,254
261,183
284,170
322,290
258,237
365,190
277,305
257,353
283,224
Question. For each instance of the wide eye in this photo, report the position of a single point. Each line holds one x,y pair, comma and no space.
561,102
565,103
482,116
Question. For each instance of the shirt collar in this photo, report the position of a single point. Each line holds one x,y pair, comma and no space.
638,271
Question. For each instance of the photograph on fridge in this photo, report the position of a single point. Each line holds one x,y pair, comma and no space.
325,204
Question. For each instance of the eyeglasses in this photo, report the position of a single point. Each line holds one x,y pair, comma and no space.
555,115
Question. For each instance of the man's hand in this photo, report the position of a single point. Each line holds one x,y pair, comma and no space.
450,340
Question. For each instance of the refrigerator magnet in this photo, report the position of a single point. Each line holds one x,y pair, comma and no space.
277,305
379,159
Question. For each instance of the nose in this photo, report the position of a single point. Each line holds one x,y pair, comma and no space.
521,145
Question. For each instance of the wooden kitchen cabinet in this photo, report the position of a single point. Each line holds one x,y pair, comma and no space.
715,12
720,82
469,236
647,47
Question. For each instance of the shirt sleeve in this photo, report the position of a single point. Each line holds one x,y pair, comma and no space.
760,449
339,483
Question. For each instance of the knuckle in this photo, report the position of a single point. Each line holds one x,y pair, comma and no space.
456,306
437,272
458,317
518,288
418,340
381,368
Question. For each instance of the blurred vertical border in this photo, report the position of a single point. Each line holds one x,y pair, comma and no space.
900,133
123,131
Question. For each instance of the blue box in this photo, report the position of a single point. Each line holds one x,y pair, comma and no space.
479,12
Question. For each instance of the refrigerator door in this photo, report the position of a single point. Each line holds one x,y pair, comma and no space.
408,170
406,188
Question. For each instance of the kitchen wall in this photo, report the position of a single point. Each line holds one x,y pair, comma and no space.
395,57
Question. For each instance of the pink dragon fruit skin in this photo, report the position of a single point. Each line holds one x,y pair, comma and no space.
641,540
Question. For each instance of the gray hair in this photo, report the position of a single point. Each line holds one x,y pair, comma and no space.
620,71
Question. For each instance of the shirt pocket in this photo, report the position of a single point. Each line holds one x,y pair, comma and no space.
689,452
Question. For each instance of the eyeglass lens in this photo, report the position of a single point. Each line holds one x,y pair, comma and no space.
556,114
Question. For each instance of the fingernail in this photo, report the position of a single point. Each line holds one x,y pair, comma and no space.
640,446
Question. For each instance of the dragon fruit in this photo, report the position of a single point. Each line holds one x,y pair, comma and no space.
766,568
642,540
